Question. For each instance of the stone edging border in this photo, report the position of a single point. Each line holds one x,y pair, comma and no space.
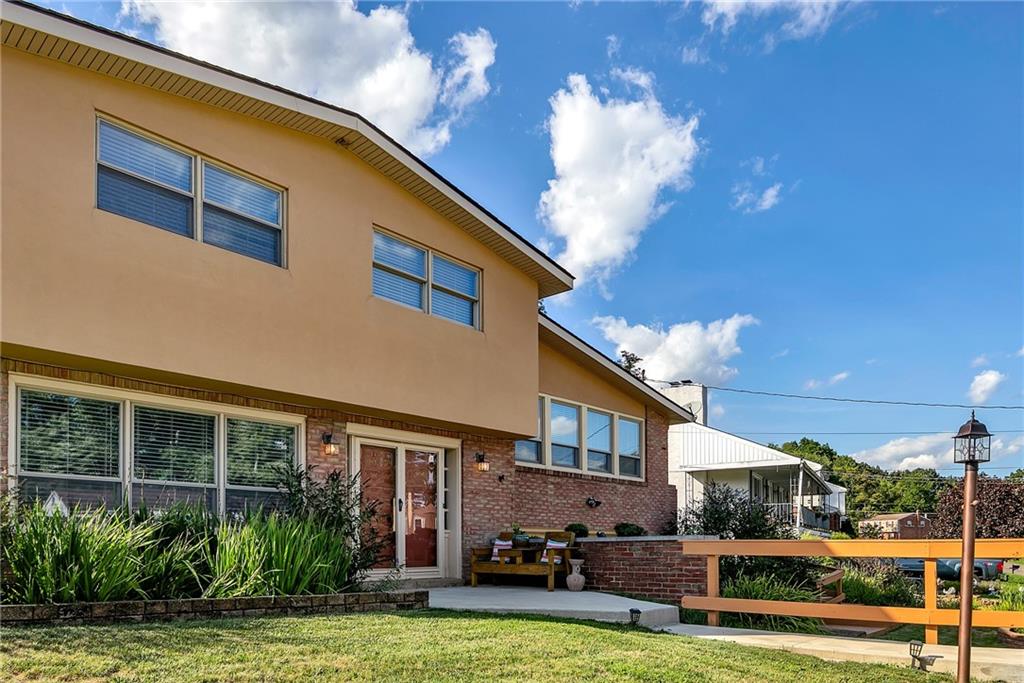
209,608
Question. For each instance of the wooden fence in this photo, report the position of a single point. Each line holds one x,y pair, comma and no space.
929,550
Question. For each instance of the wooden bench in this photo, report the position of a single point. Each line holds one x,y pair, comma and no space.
525,561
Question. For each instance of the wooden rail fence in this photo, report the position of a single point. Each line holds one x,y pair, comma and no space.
929,550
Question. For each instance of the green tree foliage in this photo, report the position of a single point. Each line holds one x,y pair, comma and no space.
631,363
871,489
1016,475
1000,511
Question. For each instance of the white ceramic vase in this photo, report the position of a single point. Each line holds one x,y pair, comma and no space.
575,581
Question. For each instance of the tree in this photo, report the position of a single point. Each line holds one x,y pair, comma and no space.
631,363
1000,512
1016,475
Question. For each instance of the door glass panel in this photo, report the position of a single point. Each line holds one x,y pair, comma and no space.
377,477
420,508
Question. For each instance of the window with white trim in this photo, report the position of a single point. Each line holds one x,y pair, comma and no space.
420,278
86,444
156,183
581,438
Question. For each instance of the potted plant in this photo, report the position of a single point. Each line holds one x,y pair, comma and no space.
580,530
520,539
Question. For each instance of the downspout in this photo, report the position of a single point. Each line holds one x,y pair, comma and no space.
800,499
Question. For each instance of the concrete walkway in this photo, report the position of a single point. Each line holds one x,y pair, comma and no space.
559,603
987,663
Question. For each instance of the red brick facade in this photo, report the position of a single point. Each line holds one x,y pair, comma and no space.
648,568
491,501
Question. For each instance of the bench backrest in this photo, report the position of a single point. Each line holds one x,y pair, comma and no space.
561,536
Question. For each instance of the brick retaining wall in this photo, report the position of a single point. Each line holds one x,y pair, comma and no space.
209,608
652,567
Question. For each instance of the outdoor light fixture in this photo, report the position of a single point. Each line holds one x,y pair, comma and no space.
481,463
634,616
971,445
330,448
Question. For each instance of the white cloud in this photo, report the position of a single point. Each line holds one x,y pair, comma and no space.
978,361
694,54
984,385
613,46
716,410
1020,353
613,159
688,350
780,354
928,450
834,379
801,18
747,197
870,361
368,63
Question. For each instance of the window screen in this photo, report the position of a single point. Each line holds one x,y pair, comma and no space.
241,215
174,446
258,452
399,270
599,441
454,291
629,447
565,435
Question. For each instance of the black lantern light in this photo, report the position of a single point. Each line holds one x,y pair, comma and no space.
972,443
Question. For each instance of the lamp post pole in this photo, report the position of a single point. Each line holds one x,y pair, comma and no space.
971,445
963,663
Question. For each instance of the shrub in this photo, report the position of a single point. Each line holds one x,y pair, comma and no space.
580,530
729,513
884,586
769,587
86,556
629,529
1011,599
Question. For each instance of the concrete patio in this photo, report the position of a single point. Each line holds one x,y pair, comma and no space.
559,603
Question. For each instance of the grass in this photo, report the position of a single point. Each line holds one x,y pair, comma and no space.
428,645
980,637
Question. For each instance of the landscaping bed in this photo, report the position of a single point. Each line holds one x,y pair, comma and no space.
422,645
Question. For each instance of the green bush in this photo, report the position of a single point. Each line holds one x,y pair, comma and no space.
629,529
886,586
769,587
1011,599
580,530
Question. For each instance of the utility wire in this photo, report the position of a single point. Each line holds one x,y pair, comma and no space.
848,400
916,433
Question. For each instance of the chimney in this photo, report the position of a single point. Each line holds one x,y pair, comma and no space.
691,396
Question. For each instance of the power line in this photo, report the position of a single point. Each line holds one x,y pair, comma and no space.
848,400
995,432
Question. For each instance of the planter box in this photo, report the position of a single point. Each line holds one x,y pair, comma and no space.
198,608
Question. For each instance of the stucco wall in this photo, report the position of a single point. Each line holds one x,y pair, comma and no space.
562,377
81,281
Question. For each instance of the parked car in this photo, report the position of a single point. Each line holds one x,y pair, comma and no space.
949,570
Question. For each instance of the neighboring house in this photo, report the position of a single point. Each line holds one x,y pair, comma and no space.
896,525
205,278
791,487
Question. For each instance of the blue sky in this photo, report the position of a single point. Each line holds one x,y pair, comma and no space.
843,184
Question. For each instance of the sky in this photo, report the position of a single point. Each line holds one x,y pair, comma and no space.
811,198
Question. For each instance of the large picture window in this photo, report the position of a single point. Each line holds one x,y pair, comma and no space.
94,446
153,182
416,277
578,437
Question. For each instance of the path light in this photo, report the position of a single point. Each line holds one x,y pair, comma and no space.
634,616
971,445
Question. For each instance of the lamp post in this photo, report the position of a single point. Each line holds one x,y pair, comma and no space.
971,445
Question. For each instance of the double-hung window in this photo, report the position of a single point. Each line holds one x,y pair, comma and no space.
156,183
98,446
417,277
572,436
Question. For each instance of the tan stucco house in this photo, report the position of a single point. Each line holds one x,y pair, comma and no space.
203,276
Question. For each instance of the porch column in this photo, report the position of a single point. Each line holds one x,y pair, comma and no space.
800,499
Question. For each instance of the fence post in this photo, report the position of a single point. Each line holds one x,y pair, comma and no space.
931,579
712,586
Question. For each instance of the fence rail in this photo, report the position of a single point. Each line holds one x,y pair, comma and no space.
930,550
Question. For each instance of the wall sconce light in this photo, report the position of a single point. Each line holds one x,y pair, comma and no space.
593,502
481,463
330,448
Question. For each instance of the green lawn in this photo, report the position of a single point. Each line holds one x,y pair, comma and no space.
419,646
980,637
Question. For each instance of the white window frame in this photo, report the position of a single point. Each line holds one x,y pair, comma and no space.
427,281
545,441
199,161
128,400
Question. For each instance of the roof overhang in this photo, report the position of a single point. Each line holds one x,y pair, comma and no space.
65,39
561,339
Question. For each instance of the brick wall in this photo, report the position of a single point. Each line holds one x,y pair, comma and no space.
552,499
491,501
653,568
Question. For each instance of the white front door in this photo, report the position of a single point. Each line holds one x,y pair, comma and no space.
406,483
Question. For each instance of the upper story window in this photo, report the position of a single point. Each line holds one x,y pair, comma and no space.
156,183
417,277
581,438
97,446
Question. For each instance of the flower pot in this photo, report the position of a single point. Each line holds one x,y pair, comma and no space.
575,581
521,541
